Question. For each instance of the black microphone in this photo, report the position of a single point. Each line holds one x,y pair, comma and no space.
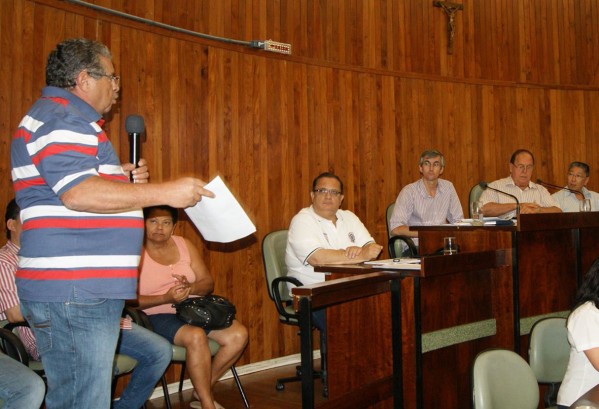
540,182
134,124
485,185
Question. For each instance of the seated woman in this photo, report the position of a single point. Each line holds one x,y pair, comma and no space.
172,270
583,334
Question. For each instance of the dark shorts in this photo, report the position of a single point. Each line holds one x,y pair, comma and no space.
167,325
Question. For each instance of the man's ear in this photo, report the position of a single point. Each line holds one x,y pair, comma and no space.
11,225
82,80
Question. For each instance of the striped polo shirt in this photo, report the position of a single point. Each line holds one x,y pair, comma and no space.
59,144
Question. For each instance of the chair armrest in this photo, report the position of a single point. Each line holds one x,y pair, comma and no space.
12,345
279,300
395,249
138,316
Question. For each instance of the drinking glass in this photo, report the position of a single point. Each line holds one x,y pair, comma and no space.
476,210
450,245
585,205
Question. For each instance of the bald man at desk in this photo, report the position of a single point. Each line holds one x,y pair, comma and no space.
532,197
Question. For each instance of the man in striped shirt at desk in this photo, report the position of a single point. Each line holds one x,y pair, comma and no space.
427,202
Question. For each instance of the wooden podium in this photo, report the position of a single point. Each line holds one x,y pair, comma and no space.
488,295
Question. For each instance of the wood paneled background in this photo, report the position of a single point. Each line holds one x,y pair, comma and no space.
369,86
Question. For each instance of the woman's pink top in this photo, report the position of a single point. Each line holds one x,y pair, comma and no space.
156,279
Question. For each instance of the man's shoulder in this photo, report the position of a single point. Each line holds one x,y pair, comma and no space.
502,181
445,184
304,215
411,188
560,194
347,214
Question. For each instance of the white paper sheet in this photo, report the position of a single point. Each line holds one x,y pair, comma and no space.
220,219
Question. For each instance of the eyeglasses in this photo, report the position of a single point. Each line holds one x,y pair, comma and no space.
429,164
523,168
577,176
323,191
111,77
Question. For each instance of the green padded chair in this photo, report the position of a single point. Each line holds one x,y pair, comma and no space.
399,246
179,356
548,355
273,256
502,379
474,195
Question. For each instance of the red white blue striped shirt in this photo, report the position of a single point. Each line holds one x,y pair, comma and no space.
59,144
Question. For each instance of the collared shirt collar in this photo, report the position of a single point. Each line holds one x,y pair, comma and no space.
12,246
422,187
585,192
339,215
83,107
531,185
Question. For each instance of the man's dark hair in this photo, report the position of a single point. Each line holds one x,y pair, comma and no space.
327,175
518,152
586,169
12,213
73,56
174,212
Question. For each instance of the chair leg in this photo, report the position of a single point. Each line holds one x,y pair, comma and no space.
323,363
182,376
240,387
167,398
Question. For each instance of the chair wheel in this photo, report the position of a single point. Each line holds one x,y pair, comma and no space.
280,386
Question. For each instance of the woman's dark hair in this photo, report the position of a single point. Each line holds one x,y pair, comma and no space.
589,290
174,212
73,56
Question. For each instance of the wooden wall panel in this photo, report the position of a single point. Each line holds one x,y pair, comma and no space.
368,87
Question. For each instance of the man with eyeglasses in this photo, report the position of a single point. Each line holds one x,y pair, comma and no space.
533,197
427,202
578,177
82,223
325,234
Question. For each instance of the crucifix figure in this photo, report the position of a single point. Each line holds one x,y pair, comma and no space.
450,9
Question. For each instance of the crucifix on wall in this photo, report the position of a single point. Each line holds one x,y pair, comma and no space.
450,9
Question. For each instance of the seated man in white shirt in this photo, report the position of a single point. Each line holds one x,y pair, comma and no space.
578,177
533,198
325,234
427,202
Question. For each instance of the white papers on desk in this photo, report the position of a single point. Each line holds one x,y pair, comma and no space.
396,263
487,221
221,218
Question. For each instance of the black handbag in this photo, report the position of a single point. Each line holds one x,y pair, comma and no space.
207,311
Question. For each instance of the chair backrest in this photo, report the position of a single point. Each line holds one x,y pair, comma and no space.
399,246
549,349
388,218
474,195
502,379
273,256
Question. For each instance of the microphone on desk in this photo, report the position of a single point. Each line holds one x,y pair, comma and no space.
540,182
485,185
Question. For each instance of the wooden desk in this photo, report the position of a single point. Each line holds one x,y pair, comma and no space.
550,254
453,308
341,291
